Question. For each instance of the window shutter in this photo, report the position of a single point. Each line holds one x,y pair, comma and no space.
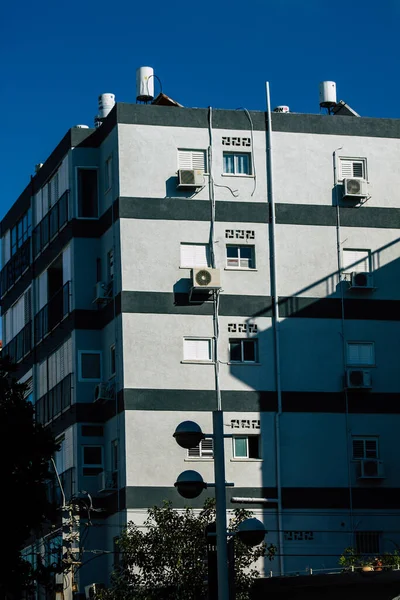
194,255
29,387
346,168
8,324
355,261
52,370
63,177
192,159
42,287
371,449
207,447
194,452
66,263
45,200
360,353
196,350
42,378
38,207
358,448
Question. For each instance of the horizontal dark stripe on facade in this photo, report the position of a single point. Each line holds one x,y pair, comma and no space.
321,215
313,498
187,209
359,401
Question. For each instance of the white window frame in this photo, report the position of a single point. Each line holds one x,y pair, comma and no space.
346,159
246,438
357,266
210,341
364,439
237,267
84,379
200,452
197,245
187,159
236,172
242,361
360,363
108,179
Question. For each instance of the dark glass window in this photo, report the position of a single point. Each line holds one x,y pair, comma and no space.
87,193
90,365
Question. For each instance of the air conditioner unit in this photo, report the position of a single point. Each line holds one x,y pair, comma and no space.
355,188
371,468
361,280
359,379
107,481
190,178
204,278
101,292
102,392
92,589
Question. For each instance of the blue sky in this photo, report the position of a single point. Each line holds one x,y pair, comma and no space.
57,57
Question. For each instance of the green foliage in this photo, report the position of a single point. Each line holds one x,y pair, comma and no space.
166,559
25,449
387,560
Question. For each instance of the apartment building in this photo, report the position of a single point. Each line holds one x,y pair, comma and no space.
145,250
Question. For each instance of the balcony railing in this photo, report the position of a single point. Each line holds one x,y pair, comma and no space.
68,483
58,307
16,266
20,345
51,405
50,225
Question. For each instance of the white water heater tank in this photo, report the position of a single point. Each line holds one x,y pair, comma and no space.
327,94
144,84
281,109
106,104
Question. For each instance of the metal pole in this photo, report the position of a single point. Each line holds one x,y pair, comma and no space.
220,497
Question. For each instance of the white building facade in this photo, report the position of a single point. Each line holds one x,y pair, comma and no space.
98,253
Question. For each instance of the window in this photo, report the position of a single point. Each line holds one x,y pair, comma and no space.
367,542
365,447
203,450
197,349
356,261
110,265
192,159
353,168
243,351
87,193
112,359
246,446
21,231
195,255
237,163
108,173
92,460
240,257
90,366
360,354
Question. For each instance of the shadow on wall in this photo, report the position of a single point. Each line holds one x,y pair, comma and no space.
312,363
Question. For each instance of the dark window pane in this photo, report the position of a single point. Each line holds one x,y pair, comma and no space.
112,359
87,193
90,364
249,350
246,251
235,351
92,455
232,251
254,446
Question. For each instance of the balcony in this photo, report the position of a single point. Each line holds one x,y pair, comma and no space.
54,402
16,266
50,225
20,345
58,307
67,478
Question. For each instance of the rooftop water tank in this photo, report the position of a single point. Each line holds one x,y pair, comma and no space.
281,109
144,84
327,94
106,104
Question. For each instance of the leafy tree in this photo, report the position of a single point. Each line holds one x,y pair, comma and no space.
25,449
166,559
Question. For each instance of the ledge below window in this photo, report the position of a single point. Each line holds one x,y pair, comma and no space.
238,269
197,362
